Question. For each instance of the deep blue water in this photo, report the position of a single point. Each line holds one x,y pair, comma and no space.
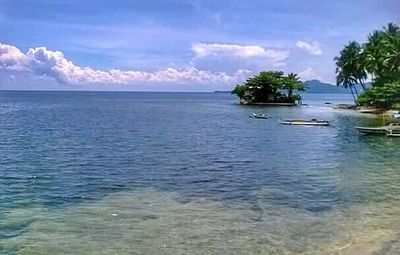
63,149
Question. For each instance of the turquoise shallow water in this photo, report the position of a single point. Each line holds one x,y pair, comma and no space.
191,173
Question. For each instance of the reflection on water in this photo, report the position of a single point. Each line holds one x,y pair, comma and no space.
179,173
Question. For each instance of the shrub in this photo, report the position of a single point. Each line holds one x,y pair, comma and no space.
385,96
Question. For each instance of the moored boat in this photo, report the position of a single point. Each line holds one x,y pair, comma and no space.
259,115
380,130
312,122
393,133
345,107
370,110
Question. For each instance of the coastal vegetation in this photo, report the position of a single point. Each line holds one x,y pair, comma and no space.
377,61
270,87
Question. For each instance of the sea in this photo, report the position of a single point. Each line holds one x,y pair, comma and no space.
191,173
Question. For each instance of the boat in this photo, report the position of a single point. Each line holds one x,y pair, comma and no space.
259,115
379,130
370,110
312,122
393,133
345,107
396,116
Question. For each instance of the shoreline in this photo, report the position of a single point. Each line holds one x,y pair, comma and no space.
270,104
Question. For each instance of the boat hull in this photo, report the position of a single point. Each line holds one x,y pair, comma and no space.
394,133
305,123
393,128
259,116
377,131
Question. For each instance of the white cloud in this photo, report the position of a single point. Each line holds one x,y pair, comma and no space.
43,62
243,51
309,74
312,48
11,58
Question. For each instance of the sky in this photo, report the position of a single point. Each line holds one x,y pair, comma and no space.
176,45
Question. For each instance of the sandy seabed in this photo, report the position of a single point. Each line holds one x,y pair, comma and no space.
146,221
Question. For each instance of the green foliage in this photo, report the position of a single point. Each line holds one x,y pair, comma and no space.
386,96
267,86
387,78
239,90
296,97
378,58
349,70
291,82
381,55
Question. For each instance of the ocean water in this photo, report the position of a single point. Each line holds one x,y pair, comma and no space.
191,173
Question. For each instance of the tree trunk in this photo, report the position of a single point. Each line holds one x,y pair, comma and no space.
355,88
352,93
362,85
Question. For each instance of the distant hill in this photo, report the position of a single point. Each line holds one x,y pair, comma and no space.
316,86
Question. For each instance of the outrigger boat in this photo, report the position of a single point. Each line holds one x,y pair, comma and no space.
259,116
312,122
379,130
393,133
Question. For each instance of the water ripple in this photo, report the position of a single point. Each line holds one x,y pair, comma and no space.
63,157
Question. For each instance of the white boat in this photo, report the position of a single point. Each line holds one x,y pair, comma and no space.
259,116
393,133
370,110
312,122
379,130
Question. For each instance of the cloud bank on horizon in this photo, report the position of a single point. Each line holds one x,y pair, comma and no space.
176,45
43,62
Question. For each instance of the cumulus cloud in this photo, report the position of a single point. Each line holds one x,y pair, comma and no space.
309,74
312,48
44,62
11,58
243,51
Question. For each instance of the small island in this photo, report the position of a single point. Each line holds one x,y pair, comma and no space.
270,88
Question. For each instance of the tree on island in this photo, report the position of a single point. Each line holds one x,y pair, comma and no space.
269,87
377,59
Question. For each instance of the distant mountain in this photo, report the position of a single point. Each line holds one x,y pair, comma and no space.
222,91
316,86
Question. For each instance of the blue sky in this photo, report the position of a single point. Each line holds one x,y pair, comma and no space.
176,45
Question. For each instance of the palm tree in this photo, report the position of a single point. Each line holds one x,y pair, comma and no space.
378,58
356,64
374,54
342,78
293,83
393,59
382,53
349,68
391,29
392,37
